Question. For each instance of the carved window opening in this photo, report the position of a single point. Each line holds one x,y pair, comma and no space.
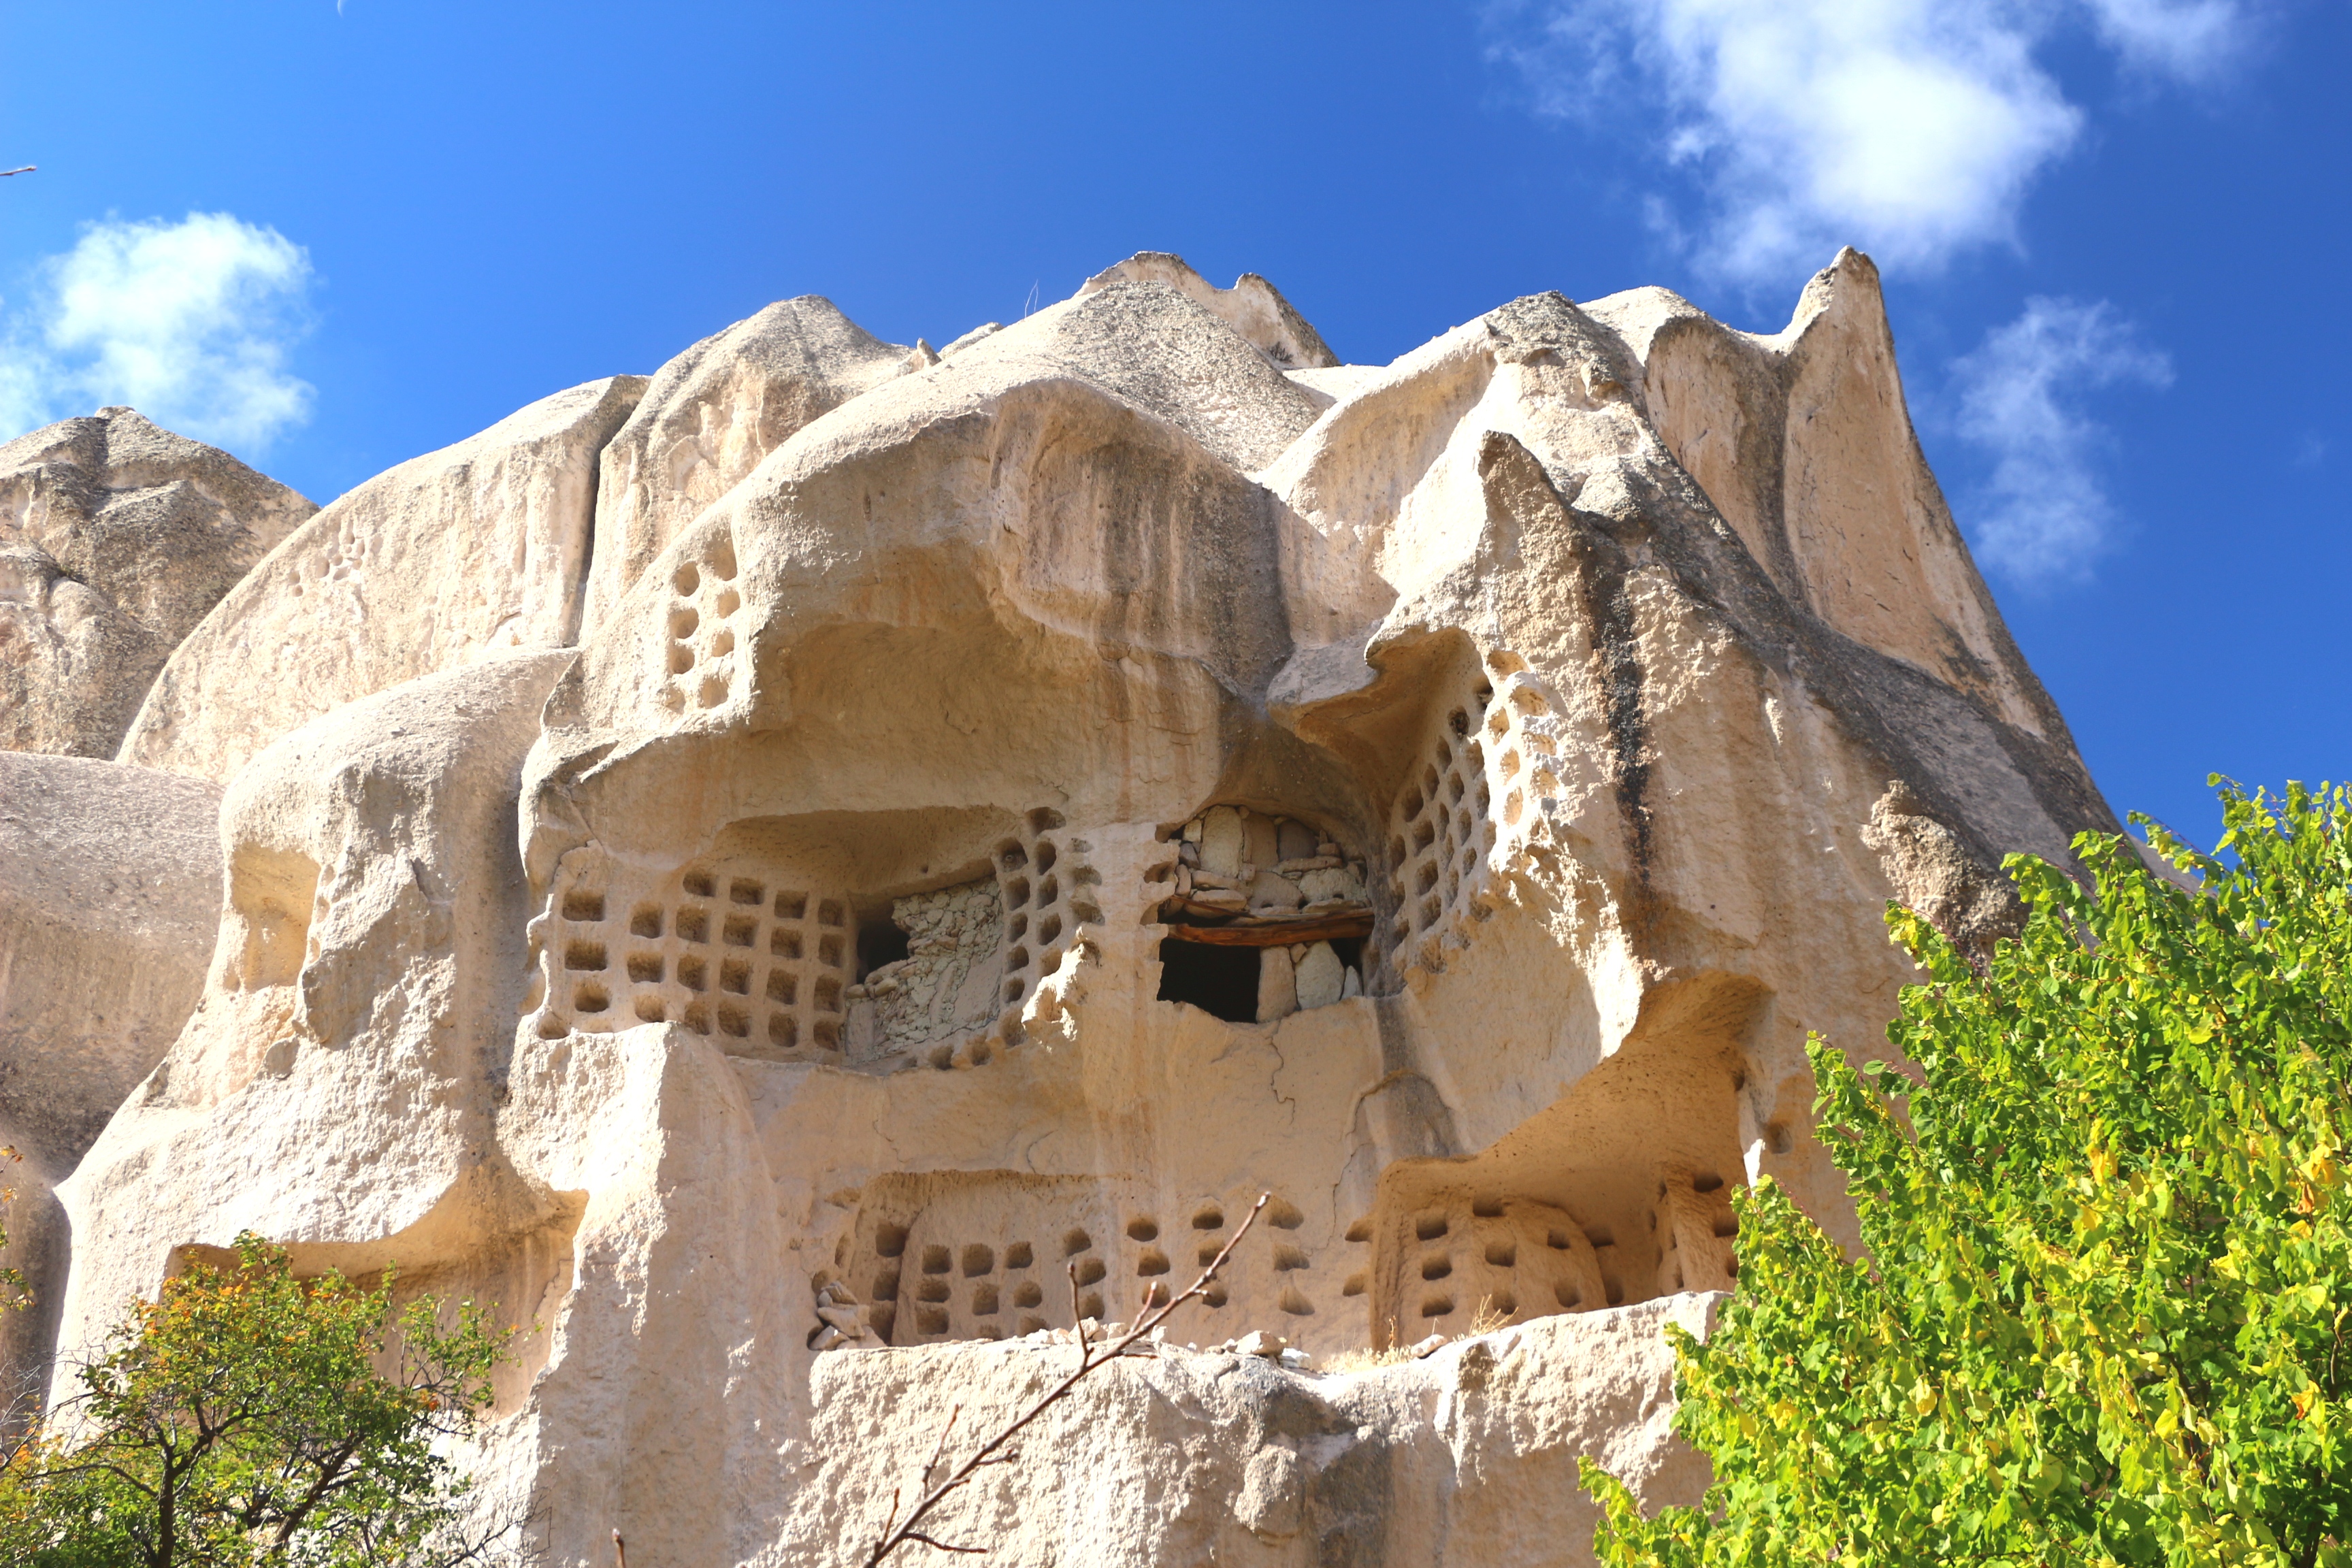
1282,891
1220,981
880,940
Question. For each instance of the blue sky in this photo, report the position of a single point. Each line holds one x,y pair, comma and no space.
2116,236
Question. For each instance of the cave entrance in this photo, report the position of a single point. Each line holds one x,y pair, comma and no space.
1220,981
880,941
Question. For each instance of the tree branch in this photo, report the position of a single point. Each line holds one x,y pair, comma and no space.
1088,1360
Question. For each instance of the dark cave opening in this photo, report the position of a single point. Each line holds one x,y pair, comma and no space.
880,941
1220,981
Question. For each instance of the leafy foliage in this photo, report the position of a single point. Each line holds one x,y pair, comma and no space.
13,1296
2110,1248
246,1418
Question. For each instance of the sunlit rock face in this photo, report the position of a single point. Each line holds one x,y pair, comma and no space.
948,830
117,537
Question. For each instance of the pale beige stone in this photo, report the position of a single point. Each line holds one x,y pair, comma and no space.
1252,307
1223,842
1261,841
110,890
1198,374
1325,882
1270,892
116,537
1321,976
710,416
1802,441
1465,1458
794,999
469,553
357,1017
1277,984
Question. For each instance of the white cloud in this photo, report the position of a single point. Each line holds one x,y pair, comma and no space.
1912,127
189,322
2193,40
2044,515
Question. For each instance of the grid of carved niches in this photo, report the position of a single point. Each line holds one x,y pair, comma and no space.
700,639
1496,744
1441,1266
923,1284
1696,1234
758,966
1048,891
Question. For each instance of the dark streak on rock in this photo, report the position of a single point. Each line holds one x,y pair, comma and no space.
1517,483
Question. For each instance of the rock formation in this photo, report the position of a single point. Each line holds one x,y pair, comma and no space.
710,416
464,554
109,892
950,829
116,538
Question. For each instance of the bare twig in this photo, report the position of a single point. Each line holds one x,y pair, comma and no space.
26,170
620,1551
895,1535
918,1535
941,1446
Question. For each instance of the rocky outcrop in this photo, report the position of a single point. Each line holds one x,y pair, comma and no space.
1802,444
708,418
468,552
1173,1456
356,1015
110,891
116,538
1252,307
1065,787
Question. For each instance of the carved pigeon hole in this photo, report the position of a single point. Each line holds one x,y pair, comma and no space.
729,950
1462,1254
700,657
1492,741
981,818
775,962
994,1255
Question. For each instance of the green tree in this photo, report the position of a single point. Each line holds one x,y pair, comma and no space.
19,1387
251,1417
13,1296
2103,1316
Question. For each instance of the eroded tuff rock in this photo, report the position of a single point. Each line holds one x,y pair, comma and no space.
708,418
1465,1459
110,890
468,553
116,538
1092,775
357,1012
1252,307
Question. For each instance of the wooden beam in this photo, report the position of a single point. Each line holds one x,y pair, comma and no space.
1279,933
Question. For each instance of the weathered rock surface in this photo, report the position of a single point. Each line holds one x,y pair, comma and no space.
708,418
1466,1458
468,552
356,1015
1252,307
116,538
1802,443
1084,781
109,892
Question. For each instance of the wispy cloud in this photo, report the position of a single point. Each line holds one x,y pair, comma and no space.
2188,40
2044,515
190,323
1912,127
